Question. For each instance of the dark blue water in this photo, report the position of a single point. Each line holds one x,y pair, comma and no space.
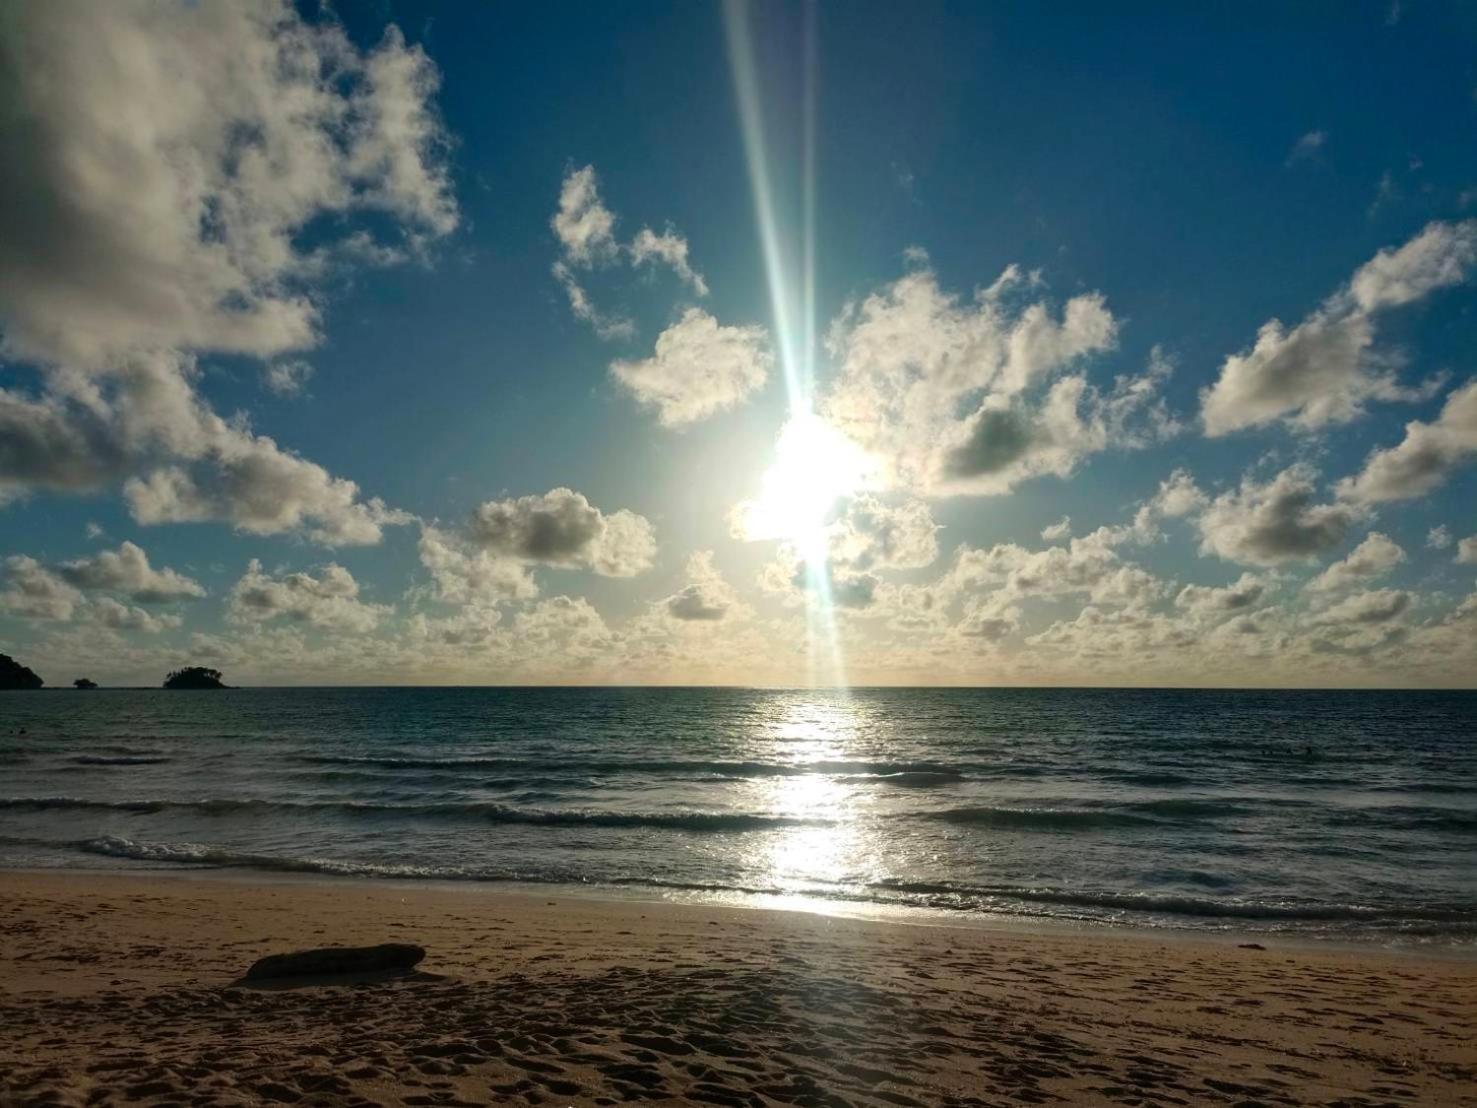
1325,813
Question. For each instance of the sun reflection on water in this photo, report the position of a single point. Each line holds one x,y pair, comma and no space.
829,844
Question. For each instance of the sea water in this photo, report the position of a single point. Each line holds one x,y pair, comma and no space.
1333,814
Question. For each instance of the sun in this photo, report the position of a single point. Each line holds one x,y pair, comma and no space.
815,466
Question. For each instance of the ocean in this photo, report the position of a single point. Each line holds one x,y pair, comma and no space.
1341,815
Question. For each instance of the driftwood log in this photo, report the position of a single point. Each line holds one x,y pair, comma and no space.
330,960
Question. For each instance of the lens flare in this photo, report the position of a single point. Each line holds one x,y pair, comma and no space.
815,465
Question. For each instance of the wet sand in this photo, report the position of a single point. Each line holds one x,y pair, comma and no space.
122,989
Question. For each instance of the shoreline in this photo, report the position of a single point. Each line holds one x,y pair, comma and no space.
128,986
1439,950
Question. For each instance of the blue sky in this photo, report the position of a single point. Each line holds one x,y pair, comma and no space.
227,289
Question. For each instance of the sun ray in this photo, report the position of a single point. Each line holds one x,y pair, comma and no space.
815,465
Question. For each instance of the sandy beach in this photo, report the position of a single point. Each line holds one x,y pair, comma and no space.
125,988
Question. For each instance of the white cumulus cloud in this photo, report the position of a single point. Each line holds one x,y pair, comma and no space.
1376,556
967,397
1275,522
699,368
127,570
327,598
1326,369
1423,460
562,528
162,162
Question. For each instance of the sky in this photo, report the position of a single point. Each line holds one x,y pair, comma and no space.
770,344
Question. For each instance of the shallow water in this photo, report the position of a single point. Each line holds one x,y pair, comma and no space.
1347,815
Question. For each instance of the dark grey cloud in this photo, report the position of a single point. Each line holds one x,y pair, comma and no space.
562,528
127,571
693,603
1274,523
995,439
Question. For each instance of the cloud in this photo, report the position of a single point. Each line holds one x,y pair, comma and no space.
192,464
1274,523
1424,459
692,603
606,326
699,369
34,592
127,571
262,490
1372,558
992,617
163,172
465,575
868,536
475,626
1326,369
986,595
162,160
1178,496
287,378
1317,371
1242,596
1061,529
1386,192
1438,537
583,224
1441,256
568,626
585,228
707,598
562,528
37,592
1377,606
489,560
1307,147
669,248
1089,566
109,613
43,446
327,599
1466,551
795,582
871,534
957,397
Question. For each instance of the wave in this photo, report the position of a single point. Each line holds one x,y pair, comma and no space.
910,779
896,772
1408,818
115,846
990,899
1191,807
62,803
1043,819
198,854
119,759
1153,779
1183,905
1104,815
717,822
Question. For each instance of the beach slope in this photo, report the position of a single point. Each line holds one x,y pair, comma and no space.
119,989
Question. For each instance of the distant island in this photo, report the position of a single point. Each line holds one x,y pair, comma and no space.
195,677
13,675
84,683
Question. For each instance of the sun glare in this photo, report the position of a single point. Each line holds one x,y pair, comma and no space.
815,466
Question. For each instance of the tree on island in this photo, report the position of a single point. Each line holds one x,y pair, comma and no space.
84,683
13,675
194,677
